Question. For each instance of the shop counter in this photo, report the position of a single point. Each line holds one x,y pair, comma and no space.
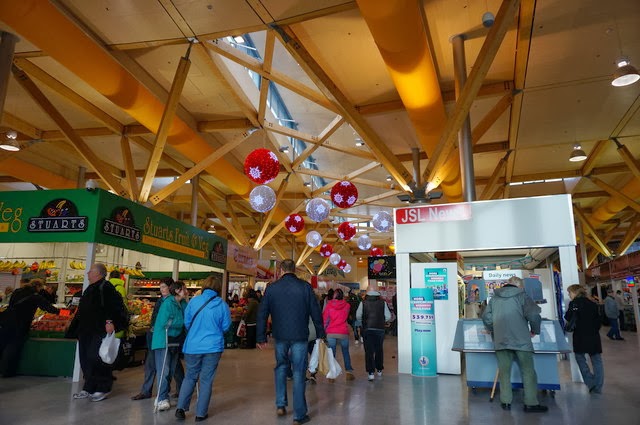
473,339
48,357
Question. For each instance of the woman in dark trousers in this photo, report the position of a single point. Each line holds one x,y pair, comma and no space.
586,337
250,316
17,322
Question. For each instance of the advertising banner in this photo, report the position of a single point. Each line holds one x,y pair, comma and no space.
423,333
241,259
382,267
79,215
436,279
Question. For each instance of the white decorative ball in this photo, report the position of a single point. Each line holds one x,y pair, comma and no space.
262,198
382,221
318,209
364,242
314,239
347,268
334,258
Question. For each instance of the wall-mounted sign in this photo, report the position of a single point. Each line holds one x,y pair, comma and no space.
79,215
382,267
436,279
58,215
121,224
433,213
242,259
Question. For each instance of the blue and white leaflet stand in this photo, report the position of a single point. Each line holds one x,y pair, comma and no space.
423,333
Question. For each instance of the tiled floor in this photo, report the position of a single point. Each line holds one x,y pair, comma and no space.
244,394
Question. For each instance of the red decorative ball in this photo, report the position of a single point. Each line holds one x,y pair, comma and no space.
262,166
342,264
344,194
326,250
346,231
294,223
376,252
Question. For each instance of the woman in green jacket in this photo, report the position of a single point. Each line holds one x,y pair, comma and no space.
166,344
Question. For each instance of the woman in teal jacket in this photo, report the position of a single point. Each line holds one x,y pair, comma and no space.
165,343
207,318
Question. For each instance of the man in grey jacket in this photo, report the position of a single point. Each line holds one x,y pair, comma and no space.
611,311
514,319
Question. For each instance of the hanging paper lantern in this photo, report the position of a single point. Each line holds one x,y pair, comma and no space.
347,268
326,250
262,166
364,242
376,252
342,264
294,223
262,198
334,258
314,239
318,209
382,221
346,231
344,194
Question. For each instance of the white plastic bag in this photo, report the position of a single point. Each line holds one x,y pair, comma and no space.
109,348
334,368
315,357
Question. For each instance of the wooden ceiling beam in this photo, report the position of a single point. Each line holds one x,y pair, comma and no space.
616,193
128,167
68,94
75,140
333,126
165,125
20,125
590,194
491,117
198,168
269,216
628,158
589,228
630,236
593,156
504,18
222,125
490,186
265,82
246,240
222,218
373,183
279,226
326,85
226,50
290,132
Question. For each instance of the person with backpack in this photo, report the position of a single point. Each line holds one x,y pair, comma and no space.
373,312
101,311
16,322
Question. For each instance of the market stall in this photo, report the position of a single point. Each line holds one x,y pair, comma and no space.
74,222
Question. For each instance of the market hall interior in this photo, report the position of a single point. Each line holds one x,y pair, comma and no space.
244,394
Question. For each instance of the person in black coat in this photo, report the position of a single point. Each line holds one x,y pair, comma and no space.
586,337
17,322
101,311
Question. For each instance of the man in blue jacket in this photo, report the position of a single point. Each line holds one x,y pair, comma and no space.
290,302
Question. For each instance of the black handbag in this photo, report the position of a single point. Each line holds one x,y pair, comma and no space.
570,326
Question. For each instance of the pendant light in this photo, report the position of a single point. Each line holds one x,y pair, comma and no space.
626,74
578,154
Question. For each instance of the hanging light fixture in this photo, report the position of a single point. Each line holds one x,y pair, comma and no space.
578,154
10,143
626,74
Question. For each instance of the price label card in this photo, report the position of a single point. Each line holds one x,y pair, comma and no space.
65,312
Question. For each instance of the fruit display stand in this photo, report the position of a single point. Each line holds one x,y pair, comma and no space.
90,219
46,352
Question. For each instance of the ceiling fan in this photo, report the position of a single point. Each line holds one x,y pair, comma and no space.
419,193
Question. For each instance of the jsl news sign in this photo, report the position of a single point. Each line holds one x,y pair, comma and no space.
433,213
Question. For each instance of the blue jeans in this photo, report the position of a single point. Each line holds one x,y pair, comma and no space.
344,343
595,380
292,353
202,367
614,332
169,362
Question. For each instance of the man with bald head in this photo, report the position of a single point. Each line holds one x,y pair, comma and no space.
101,311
